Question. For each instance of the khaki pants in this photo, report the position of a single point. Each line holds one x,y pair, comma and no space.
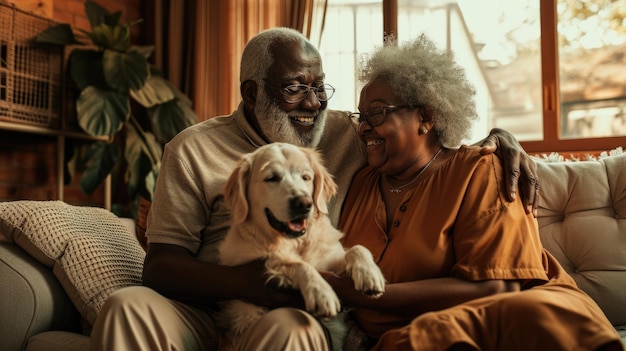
138,318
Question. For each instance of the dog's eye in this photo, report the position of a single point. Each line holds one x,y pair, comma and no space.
307,177
272,178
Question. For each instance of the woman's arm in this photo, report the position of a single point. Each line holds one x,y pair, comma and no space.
417,297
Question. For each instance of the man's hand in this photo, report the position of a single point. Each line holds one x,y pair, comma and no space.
519,168
267,293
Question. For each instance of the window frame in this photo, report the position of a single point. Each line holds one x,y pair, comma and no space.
551,104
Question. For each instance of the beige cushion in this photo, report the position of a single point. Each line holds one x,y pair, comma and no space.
582,222
58,341
90,250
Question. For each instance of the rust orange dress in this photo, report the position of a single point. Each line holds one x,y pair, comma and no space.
457,222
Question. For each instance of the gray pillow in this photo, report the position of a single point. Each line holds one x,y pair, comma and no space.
89,249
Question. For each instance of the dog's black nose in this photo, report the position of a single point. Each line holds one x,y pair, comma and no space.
300,204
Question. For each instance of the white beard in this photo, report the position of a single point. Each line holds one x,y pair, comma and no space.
277,126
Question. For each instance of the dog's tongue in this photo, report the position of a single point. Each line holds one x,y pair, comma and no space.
297,225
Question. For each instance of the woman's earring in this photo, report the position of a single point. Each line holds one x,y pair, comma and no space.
424,131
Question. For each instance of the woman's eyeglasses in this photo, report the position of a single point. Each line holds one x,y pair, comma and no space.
376,116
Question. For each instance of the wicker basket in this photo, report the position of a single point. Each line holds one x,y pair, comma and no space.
30,73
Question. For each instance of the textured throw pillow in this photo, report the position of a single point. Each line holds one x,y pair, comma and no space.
89,249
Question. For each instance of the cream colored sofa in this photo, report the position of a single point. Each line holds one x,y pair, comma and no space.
582,220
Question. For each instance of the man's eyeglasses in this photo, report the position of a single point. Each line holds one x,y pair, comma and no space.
376,116
295,93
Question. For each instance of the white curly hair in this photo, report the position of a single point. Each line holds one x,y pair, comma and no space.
421,74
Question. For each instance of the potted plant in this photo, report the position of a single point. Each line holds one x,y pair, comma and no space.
116,84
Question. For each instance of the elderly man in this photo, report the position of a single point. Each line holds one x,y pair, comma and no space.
284,99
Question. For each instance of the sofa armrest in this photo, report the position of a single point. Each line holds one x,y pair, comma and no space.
31,299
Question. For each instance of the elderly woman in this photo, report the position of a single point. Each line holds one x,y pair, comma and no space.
465,268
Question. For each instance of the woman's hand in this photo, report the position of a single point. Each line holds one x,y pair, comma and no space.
519,168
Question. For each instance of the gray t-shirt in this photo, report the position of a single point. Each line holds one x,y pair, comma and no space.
188,206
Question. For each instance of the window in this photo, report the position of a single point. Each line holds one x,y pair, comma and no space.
548,71
352,28
592,67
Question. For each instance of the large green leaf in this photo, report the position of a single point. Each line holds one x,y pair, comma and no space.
145,50
95,13
180,97
61,34
150,182
142,154
156,91
145,185
113,19
111,37
86,68
139,141
125,71
170,118
101,112
100,160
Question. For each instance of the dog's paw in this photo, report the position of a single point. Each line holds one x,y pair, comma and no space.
368,279
320,299
366,275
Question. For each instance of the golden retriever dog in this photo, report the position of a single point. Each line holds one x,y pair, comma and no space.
278,198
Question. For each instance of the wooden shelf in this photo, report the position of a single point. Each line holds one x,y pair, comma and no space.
60,135
33,129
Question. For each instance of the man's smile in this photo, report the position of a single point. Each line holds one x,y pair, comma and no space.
303,120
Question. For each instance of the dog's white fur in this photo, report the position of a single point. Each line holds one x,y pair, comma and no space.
287,180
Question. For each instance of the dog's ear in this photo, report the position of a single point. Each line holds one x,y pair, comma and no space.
235,191
324,187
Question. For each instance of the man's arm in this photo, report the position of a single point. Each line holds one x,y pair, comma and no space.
519,169
176,273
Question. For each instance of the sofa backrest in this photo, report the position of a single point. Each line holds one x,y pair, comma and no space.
582,222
